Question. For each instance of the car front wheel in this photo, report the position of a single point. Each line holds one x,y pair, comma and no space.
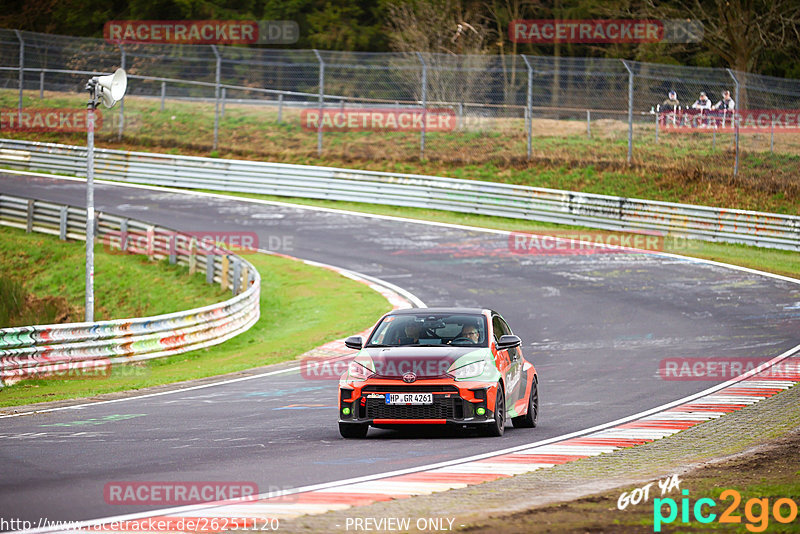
497,427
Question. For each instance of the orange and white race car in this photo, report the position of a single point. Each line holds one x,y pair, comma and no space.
430,366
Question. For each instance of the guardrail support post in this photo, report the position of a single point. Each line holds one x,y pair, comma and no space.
529,104
29,223
210,259
736,123
223,283
173,254
237,276
123,235
151,237
21,73
424,106
321,100
630,111
193,256
163,94
62,223
245,278
216,95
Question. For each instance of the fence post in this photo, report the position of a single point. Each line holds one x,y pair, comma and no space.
41,84
424,106
630,111
658,115
216,96
21,73
122,100
163,94
588,123
736,124
321,100
222,108
529,104
280,108
772,136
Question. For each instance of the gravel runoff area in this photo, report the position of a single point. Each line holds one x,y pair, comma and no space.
769,427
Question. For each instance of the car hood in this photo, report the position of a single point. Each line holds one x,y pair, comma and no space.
393,362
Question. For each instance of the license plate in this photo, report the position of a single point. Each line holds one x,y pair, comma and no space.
409,398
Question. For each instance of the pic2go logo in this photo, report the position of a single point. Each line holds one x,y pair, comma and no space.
756,511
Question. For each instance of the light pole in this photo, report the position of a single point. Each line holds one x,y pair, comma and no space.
109,89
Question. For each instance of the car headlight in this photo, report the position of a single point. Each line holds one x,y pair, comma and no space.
358,371
469,370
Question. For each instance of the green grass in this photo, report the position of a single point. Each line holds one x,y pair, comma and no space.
47,268
301,308
680,167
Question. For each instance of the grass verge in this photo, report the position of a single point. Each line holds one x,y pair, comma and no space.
40,268
301,308
694,168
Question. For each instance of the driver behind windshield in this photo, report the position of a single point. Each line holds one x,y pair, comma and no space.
468,333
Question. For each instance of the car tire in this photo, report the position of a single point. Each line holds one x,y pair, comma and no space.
353,430
530,419
497,427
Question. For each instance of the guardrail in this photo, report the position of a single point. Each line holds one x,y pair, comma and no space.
85,349
468,196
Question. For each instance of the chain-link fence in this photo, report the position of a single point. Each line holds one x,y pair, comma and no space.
303,103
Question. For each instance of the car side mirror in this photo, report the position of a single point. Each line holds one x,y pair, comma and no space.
508,342
354,342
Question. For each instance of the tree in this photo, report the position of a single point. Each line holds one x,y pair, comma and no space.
740,31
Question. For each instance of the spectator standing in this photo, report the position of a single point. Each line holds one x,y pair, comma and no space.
702,103
727,103
671,102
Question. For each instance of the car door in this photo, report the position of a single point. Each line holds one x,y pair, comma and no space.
508,361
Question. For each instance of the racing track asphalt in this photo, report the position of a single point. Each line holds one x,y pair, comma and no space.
595,326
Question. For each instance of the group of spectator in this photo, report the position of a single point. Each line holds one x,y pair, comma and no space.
701,109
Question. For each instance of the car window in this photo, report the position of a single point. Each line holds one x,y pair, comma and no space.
426,328
499,326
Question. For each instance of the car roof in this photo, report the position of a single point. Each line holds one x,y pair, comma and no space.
416,311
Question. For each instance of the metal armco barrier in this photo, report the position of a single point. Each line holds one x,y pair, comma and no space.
468,196
84,349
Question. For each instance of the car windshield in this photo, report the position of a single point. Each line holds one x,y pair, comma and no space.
426,329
